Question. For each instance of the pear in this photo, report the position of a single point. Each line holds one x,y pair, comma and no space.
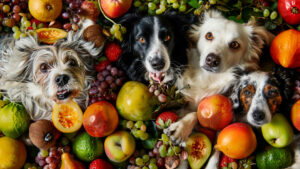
67,162
199,149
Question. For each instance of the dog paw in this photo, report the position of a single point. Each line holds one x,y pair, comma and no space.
177,133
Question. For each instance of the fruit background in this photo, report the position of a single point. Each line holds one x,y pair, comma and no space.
122,126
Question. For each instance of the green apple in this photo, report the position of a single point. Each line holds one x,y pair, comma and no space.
119,146
278,133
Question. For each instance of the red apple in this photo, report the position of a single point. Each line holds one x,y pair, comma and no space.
90,9
290,11
115,8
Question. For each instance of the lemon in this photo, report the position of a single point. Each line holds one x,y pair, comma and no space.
12,153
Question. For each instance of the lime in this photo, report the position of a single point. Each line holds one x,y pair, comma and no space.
87,148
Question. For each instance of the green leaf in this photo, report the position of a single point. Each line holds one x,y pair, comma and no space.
194,3
168,122
222,8
33,25
161,122
270,25
274,6
235,19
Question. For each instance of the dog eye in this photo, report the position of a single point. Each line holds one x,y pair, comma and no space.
272,93
209,36
44,68
247,93
142,40
72,62
234,45
167,38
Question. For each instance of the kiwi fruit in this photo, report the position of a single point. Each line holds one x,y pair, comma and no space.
42,133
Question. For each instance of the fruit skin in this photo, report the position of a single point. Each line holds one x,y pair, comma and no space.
115,8
87,148
68,162
50,35
196,159
102,65
93,33
90,9
119,146
100,119
295,115
100,164
215,112
41,129
12,153
285,49
278,133
113,51
14,120
209,133
289,10
165,119
134,102
274,158
236,141
227,162
45,10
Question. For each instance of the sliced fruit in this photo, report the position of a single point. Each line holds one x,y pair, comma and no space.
199,148
50,35
67,117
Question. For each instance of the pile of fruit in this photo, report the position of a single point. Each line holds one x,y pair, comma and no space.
123,125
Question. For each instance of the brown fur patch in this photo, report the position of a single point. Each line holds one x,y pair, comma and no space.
273,96
246,96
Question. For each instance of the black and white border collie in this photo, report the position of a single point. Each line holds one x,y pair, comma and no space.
154,47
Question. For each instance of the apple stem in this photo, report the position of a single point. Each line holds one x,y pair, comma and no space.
295,10
106,17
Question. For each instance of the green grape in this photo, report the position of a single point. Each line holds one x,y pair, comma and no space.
152,166
155,1
266,12
151,6
182,8
137,3
256,10
298,27
151,12
139,133
197,12
212,2
144,136
170,152
158,11
112,30
146,158
118,35
123,30
273,15
64,141
27,165
139,161
163,2
23,35
144,128
162,151
138,124
6,8
175,5
17,35
27,24
145,167
153,160
177,149
134,133
44,153
23,20
200,2
116,27
41,25
164,138
173,1
15,29
162,7
142,8
129,124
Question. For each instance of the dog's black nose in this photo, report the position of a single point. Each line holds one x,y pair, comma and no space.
157,63
61,80
212,60
258,115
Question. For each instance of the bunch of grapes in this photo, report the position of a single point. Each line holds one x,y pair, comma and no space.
31,166
26,28
159,91
143,162
51,159
296,95
160,6
138,129
117,30
108,83
11,11
70,15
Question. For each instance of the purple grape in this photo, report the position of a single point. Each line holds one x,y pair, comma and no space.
114,96
52,166
113,86
103,85
53,153
101,90
93,100
65,15
121,73
46,167
105,73
162,98
76,18
108,67
119,82
79,11
109,79
151,154
93,91
42,163
159,143
114,71
73,5
160,162
108,97
155,151
49,159
100,98
156,92
151,89
100,77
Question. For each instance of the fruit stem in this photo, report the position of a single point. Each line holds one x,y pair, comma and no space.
48,7
295,10
106,17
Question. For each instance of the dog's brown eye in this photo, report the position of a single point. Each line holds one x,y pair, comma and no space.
142,40
209,36
234,45
72,62
167,38
44,68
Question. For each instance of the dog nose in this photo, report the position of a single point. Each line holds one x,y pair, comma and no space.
212,60
61,80
157,63
258,115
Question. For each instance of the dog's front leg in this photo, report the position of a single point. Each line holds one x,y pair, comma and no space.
180,131
213,161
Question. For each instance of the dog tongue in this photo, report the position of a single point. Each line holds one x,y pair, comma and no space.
155,76
62,92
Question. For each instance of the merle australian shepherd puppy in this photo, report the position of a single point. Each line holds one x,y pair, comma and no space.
154,46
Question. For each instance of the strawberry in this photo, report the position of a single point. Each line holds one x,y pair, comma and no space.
102,65
100,164
228,163
165,119
113,51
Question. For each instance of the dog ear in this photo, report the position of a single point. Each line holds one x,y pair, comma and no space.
235,96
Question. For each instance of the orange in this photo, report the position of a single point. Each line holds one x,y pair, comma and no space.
67,117
45,10
295,115
50,35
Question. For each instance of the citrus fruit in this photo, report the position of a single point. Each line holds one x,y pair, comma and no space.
67,117
45,10
295,115
87,148
12,153
14,120
50,35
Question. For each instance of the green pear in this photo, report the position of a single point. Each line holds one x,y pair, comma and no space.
199,149
278,133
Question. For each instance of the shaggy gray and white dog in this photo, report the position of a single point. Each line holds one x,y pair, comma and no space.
38,76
